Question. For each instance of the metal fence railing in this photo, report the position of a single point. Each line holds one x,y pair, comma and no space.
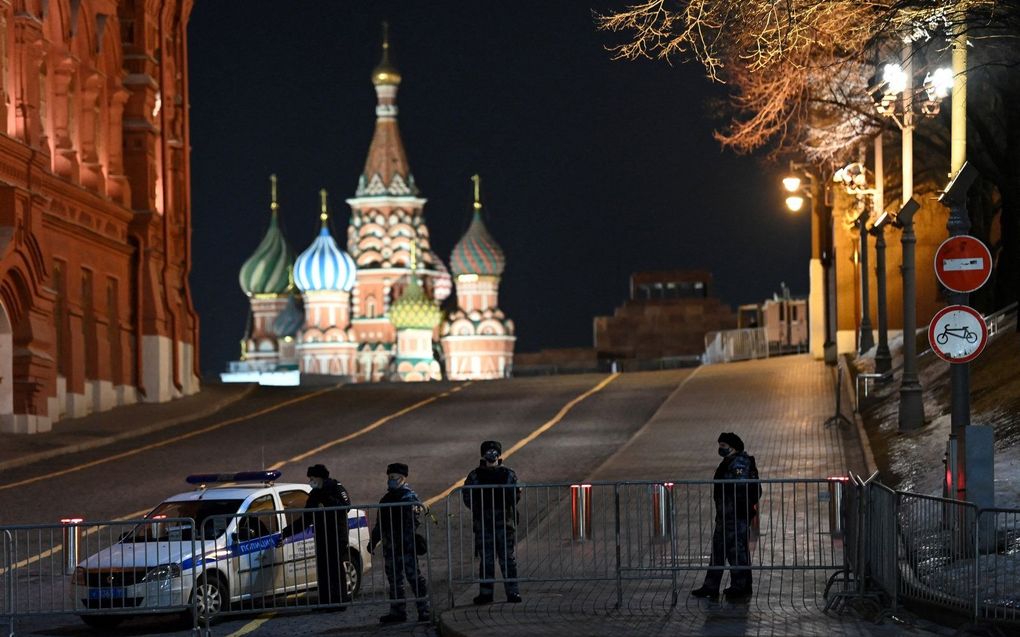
612,535
998,580
735,345
100,571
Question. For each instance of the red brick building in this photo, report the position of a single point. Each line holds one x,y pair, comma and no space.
95,309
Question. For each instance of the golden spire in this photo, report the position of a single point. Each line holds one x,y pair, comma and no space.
385,72
324,215
274,205
478,187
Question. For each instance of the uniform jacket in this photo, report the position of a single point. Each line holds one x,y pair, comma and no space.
492,506
333,524
737,499
395,526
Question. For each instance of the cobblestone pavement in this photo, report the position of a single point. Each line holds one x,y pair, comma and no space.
778,407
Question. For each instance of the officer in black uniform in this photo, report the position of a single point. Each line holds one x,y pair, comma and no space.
395,526
735,506
331,534
494,521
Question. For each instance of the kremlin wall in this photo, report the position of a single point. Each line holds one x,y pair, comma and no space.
372,312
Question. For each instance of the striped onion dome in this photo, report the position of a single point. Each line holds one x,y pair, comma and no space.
477,252
414,309
290,320
266,271
323,265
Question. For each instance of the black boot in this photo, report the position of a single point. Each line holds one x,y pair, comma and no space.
482,599
393,617
705,591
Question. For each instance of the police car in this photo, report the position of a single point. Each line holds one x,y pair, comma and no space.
161,565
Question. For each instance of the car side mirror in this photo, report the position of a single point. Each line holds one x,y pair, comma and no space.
233,538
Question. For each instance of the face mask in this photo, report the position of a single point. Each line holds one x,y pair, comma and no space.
491,455
724,452
392,484
316,483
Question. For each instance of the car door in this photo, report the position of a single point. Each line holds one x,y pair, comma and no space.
255,546
298,572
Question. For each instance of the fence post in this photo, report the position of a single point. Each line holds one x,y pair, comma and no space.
838,418
9,577
616,516
72,537
449,549
977,562
580,497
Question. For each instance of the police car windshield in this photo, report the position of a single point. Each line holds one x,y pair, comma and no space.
204,512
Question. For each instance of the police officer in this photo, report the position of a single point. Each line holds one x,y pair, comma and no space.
331,534
735,506
494,521
395,526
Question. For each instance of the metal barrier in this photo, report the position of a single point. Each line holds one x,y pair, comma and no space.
735,345
299,559
101,571
998,573
637,533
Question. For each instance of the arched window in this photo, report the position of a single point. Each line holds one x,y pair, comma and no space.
370,310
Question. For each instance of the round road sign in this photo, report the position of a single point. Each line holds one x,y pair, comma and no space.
963,263
957,334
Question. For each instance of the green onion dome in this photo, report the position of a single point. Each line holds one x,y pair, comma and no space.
414,309
267,271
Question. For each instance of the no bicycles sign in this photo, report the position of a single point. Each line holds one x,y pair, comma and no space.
957,334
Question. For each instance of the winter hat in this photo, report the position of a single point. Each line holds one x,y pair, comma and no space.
318,471
492,444
732,440
397,467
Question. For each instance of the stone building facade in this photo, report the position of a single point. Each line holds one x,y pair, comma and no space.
94,208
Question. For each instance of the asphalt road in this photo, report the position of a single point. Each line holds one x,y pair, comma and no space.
437,436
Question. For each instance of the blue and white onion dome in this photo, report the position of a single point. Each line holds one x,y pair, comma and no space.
324,266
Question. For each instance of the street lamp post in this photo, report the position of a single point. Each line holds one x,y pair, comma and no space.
865,339
821,251
883,359
898,86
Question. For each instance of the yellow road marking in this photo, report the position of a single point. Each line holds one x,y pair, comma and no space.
560,415
168,441
375,425
255,624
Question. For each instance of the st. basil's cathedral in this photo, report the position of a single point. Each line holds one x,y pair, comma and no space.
373,312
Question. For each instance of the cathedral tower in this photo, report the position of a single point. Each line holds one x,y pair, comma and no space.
415,317
478,339
386,220
325,274
265,278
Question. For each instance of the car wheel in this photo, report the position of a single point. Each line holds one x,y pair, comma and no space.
103,622
352,567
211,595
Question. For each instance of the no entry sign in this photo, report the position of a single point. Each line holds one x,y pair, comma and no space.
957,334
963,263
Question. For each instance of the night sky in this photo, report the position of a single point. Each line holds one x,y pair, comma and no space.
591,168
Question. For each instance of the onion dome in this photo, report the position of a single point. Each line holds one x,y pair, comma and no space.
414,310
477,252
290,319
385,73
442,284
267,270
324,266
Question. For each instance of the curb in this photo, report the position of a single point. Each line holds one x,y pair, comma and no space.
862,434
446,630
125,435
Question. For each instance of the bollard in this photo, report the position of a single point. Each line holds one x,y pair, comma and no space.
837,486
580,511
662,509
72,537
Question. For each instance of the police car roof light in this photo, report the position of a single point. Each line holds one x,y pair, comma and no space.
243,476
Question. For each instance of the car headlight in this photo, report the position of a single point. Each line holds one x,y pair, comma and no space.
162,573
78,578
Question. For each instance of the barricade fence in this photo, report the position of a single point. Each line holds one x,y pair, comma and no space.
939,552
101,571
632,534
638,545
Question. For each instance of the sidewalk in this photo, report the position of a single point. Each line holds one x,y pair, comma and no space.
778,407
103,428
